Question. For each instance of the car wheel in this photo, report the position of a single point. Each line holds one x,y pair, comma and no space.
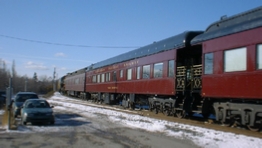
23,122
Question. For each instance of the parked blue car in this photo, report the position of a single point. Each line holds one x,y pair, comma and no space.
37,111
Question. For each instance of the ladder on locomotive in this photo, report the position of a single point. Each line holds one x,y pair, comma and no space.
188,78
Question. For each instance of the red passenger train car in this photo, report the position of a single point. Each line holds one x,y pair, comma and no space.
232,73
74,83
217,71
148,72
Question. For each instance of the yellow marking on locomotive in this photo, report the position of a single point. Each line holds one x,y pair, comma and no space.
130,63
113,67
112,87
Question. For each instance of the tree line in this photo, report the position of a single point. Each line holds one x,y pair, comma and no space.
40,85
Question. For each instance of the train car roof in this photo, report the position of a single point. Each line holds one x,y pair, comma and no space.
178,41
230,25
80,71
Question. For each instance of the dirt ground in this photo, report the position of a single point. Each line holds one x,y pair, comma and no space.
116,138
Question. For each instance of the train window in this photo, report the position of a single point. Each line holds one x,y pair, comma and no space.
138,73
103,78
235,60
146,72
209,62
129,74
171,68
77,81
94,79
158,70
98,78
121,73
259,56
107,77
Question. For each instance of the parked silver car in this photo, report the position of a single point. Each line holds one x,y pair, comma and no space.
37,111
19,100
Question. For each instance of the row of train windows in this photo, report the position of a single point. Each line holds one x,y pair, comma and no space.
234,60
157,73
76,81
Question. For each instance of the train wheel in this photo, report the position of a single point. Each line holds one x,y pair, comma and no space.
150,107
173,112
155,110
166,112
256,127
180,113
132,106
229,122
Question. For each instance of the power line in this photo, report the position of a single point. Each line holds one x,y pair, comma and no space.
68,45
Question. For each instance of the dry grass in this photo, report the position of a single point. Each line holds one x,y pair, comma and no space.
5,120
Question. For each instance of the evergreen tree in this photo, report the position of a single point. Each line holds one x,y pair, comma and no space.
35,77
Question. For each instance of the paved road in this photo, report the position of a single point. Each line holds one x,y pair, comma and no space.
74,130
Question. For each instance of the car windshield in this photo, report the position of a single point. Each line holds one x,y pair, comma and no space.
37,104
24,97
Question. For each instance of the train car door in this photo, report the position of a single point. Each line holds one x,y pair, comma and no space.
189,69
188,78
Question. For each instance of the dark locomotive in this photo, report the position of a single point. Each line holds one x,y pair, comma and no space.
217,71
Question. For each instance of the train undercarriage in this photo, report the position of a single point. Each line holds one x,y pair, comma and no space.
227,112
240,113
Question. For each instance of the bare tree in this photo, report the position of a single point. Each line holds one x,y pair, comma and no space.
4,74
42,85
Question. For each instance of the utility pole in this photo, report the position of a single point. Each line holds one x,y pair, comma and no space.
26,84
9,96
54,86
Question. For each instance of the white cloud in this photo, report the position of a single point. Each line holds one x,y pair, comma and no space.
5,61
35,66
60,54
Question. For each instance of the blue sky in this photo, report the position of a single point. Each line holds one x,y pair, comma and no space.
123,24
